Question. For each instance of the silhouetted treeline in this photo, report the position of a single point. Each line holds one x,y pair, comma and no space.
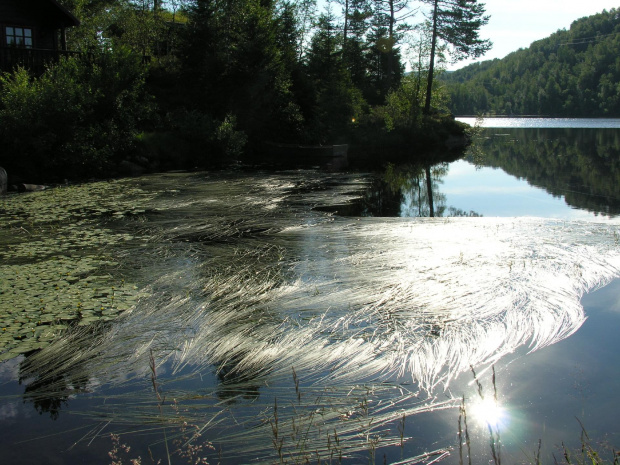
204,82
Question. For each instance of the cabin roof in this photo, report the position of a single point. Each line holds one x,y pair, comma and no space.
48,12
65,17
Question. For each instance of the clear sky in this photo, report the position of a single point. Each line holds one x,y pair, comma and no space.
516,24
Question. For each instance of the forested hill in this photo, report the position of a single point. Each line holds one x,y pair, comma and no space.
574,73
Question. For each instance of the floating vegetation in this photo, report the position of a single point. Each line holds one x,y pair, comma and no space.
54,271
65,204
40,300
284,331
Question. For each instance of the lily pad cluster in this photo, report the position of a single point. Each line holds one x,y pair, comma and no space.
67,239
58,266
73,203
40,300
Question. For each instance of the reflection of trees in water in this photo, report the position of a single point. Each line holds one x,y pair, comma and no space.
418,196
402,191
49,393
581,165
235,382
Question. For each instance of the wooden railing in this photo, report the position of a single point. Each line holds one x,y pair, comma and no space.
32,59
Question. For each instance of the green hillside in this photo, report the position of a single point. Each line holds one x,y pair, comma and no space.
574,73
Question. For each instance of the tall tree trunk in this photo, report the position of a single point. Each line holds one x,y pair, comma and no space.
346,24
390,76
431,68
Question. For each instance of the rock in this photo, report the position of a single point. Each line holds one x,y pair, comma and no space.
30,187
3,181
129,168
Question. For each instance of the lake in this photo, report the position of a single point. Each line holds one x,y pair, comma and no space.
303,316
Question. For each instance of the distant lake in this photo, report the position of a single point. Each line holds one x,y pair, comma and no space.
508,122
302,316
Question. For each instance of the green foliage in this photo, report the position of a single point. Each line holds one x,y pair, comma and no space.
387,14
136,24
227,75
193,139
234,65
403,108
571,73
456,23
77,120
400,131
459,23
384,68
139,28
336,100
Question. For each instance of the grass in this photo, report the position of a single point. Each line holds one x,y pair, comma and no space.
292,447
588,454
247,286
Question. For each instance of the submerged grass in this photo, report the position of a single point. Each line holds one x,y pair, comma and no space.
352,325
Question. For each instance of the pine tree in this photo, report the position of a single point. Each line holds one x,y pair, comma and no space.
234,57
393,12
458,23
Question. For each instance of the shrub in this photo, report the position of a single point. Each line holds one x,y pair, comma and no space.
77,120
193,139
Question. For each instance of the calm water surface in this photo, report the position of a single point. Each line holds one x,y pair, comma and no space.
570,172
574,123
493,192
313,316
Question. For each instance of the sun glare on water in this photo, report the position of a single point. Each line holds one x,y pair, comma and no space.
488,412
367,315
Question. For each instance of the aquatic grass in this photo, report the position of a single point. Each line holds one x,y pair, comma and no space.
463,433
160,399
494,433
587,453
375,316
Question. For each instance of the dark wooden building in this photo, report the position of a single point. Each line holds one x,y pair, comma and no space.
33,32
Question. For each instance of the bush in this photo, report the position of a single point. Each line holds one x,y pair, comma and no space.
194,140
399,131
77,120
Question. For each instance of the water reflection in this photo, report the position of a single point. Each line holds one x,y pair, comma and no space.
51,394
521,122
418,186
580,165
376,316
234,383
488,412
409,191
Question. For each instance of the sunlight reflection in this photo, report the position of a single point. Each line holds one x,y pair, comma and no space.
487,412
350,312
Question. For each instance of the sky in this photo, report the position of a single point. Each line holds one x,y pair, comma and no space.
516,24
